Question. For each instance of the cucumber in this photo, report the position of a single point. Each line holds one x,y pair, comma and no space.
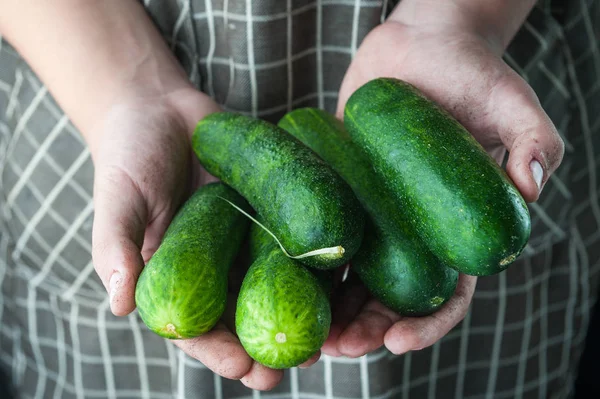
182,291
456,197
410,283
300,198
393,262
283,313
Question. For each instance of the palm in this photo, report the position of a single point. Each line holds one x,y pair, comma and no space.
145,162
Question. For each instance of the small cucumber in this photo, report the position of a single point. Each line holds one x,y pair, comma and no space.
182,291
300,198
456,197
393,262
410,283
283,313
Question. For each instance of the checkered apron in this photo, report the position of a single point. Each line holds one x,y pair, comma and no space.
524,332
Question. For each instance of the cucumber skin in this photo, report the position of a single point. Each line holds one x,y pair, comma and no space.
261,242
410,283
185,281
393,262
300,198
279,294
458,199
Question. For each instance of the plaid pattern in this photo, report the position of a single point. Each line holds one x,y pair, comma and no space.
523,335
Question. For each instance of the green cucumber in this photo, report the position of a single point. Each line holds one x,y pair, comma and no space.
300,198
410,283
283,313
182,291
393,262
456,197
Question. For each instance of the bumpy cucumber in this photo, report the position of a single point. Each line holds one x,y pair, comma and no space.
457,198
283,314
260,244
182,291
300,198
393,262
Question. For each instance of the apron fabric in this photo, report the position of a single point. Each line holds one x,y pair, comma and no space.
524,332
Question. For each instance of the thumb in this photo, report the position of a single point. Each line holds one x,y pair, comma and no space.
120,218
534,145
350,83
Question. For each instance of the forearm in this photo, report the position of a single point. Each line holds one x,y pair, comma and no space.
497,20
91,53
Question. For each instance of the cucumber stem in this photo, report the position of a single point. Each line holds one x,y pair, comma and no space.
509,259
171,329
331,252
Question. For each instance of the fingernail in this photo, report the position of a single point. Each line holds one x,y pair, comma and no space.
537,172
113,285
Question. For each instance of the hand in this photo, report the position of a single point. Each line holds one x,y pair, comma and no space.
462,71
361,324
145,169
465,74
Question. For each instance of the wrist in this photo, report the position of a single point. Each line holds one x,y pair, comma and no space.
180,105
128,97
494,21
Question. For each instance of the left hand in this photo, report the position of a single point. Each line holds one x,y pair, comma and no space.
144,170
463,72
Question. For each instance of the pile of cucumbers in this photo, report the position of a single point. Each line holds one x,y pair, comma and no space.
399,189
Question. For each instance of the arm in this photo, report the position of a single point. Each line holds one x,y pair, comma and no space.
91,54
99,59
112,73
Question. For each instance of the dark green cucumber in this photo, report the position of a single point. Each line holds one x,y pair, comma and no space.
182,291
457,198
300,198
393,262
283,314
410,283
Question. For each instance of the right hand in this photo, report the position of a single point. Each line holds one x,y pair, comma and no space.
429,45
144,170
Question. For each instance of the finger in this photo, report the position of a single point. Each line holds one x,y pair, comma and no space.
348,298
413,333
498,154
330,345
535,147
349,84
354,78
262,378
118,232
220,351
366,332
315,358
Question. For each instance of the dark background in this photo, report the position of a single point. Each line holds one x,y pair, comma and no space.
587,384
